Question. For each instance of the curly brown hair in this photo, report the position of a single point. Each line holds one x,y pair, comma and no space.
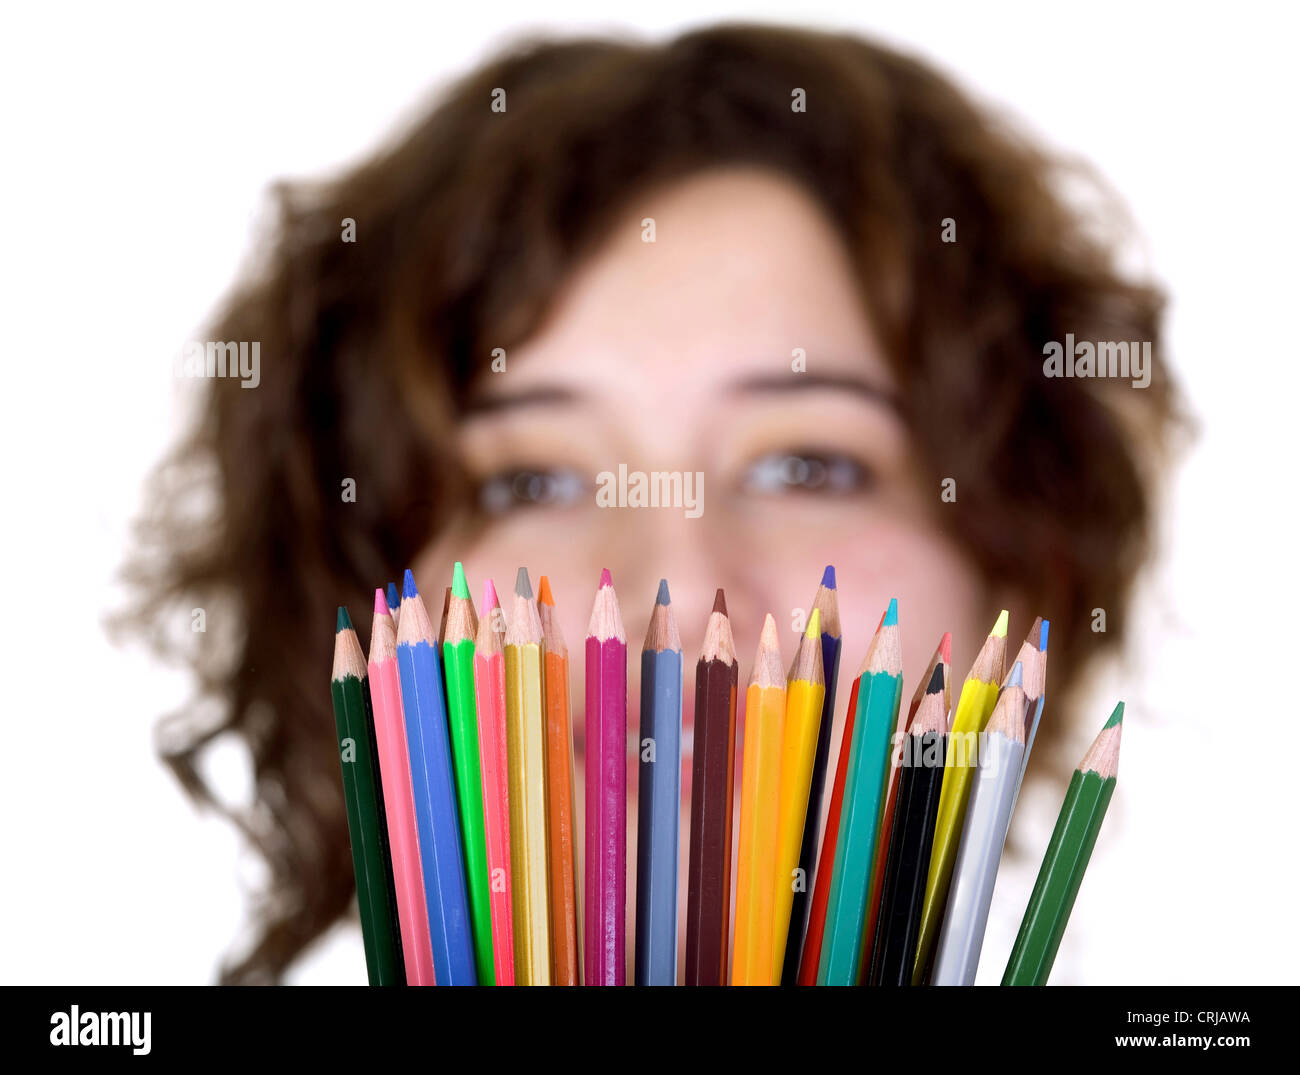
470,222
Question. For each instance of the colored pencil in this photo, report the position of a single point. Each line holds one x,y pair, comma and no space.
760,792
810,958
362,797
560,817
394,602
879,696
708,887
979,694
433,791
604,957
659,783
1035,691
458,662
804,698
526,761
1066,859
490,695
826,604
919,789
983,836
442,623
399,808
942,658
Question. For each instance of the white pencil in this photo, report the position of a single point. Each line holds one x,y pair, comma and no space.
1001,750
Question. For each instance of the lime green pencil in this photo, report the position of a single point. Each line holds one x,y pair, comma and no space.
458,660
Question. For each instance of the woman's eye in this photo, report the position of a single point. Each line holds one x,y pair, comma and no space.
530,487
828,473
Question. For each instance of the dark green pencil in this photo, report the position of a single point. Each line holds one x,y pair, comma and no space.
1067,857
367,829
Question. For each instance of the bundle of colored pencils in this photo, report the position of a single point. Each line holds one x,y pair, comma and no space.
457,762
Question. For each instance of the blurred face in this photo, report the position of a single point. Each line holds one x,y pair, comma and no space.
677,355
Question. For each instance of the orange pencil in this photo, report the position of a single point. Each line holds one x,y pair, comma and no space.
760,793
559,796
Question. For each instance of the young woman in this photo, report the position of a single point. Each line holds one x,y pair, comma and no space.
802,266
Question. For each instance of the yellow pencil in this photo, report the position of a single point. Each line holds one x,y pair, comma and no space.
760,789
803,716
526,764
979,694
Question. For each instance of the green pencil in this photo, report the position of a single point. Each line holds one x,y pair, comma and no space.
458,661
367,829
1067,857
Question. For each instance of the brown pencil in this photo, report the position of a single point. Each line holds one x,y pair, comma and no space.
708,890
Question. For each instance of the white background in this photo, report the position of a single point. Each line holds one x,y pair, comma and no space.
138,144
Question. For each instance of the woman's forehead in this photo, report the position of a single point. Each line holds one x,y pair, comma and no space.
721,278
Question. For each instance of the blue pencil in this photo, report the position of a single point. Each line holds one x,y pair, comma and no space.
437,820
394,601
659,797
1036,714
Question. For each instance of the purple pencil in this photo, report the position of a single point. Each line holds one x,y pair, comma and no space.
603,952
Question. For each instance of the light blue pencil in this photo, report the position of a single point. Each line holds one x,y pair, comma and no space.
659,798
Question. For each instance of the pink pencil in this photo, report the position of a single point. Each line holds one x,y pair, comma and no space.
490,692
603,956
399,807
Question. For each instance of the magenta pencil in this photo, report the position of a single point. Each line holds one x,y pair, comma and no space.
399,807
603,955
490,694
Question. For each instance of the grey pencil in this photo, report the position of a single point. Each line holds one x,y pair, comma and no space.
1001,750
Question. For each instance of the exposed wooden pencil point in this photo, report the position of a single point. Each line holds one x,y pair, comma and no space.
720,602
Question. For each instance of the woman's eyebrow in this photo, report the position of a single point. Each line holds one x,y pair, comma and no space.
544,396
819,382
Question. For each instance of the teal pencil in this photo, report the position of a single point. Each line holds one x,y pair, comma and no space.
880,692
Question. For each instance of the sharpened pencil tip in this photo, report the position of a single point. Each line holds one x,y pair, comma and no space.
814,628
381,604
523,587
1016,678
344,621
720,602
1000,628
606,579
1116,718
490,599
408,585
394,598
891,613
1042,637
662,598
828,577
945,647
768,637
544,596
459,584
935,686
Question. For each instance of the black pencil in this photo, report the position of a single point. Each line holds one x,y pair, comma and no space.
908,865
